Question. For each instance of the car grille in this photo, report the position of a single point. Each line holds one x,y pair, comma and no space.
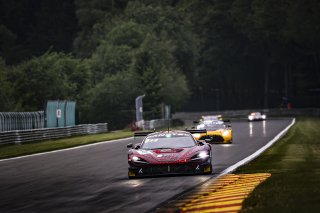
170,169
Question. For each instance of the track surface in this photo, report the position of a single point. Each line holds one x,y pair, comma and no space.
94,178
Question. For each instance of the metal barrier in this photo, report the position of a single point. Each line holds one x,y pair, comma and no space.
24,136
21,120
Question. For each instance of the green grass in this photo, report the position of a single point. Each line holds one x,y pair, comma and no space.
14,150
294,162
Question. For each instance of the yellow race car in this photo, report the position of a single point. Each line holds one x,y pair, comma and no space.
211,117
217,132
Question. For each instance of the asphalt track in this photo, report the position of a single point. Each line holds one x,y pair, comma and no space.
94,178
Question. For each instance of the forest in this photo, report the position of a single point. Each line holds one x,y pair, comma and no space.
194,55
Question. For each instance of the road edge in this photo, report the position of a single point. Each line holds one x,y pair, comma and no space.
66,149
258,152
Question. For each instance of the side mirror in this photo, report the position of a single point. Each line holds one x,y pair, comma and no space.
226,120
137,146
201,143
130,145
195,122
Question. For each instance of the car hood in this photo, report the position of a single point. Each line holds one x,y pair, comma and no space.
168,155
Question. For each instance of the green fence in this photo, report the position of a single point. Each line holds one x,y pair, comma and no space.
60,113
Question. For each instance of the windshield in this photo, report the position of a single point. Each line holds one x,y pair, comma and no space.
212,126
168,141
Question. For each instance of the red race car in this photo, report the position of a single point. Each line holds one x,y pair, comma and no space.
169,153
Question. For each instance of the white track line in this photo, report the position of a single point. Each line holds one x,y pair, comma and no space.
67,149
258,152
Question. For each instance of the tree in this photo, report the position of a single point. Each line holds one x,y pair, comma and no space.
50,76
6,89
110,100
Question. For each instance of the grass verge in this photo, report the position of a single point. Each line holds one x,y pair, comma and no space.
15,150
294,162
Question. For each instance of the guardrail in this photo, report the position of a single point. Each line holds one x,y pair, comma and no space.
24,136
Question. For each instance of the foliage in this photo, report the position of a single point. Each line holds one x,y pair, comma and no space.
51,76
192,55
108,101
6,90
35,27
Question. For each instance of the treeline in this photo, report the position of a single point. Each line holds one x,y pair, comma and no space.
190,54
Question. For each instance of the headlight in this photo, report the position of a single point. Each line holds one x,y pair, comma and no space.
200,126
196,135
250,117
138,160
225,133
203,154
135,158
264,116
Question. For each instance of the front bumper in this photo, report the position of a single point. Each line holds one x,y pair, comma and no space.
216,138
170,169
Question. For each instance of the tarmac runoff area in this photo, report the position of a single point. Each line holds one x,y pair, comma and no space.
94,178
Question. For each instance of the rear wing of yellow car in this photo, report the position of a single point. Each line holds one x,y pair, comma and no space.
194,131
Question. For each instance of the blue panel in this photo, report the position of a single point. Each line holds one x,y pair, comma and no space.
70,113
51,111
62,107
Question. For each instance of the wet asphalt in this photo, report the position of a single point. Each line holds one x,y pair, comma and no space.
94,178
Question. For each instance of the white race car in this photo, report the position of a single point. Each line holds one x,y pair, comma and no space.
256,116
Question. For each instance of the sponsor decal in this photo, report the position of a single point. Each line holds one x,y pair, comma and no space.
144,152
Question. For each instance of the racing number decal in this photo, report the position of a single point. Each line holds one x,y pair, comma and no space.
198,168
140,171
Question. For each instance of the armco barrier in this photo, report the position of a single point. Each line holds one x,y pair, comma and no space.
24,136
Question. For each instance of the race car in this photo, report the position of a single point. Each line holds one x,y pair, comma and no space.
211,117
168,153
256,116
217,132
